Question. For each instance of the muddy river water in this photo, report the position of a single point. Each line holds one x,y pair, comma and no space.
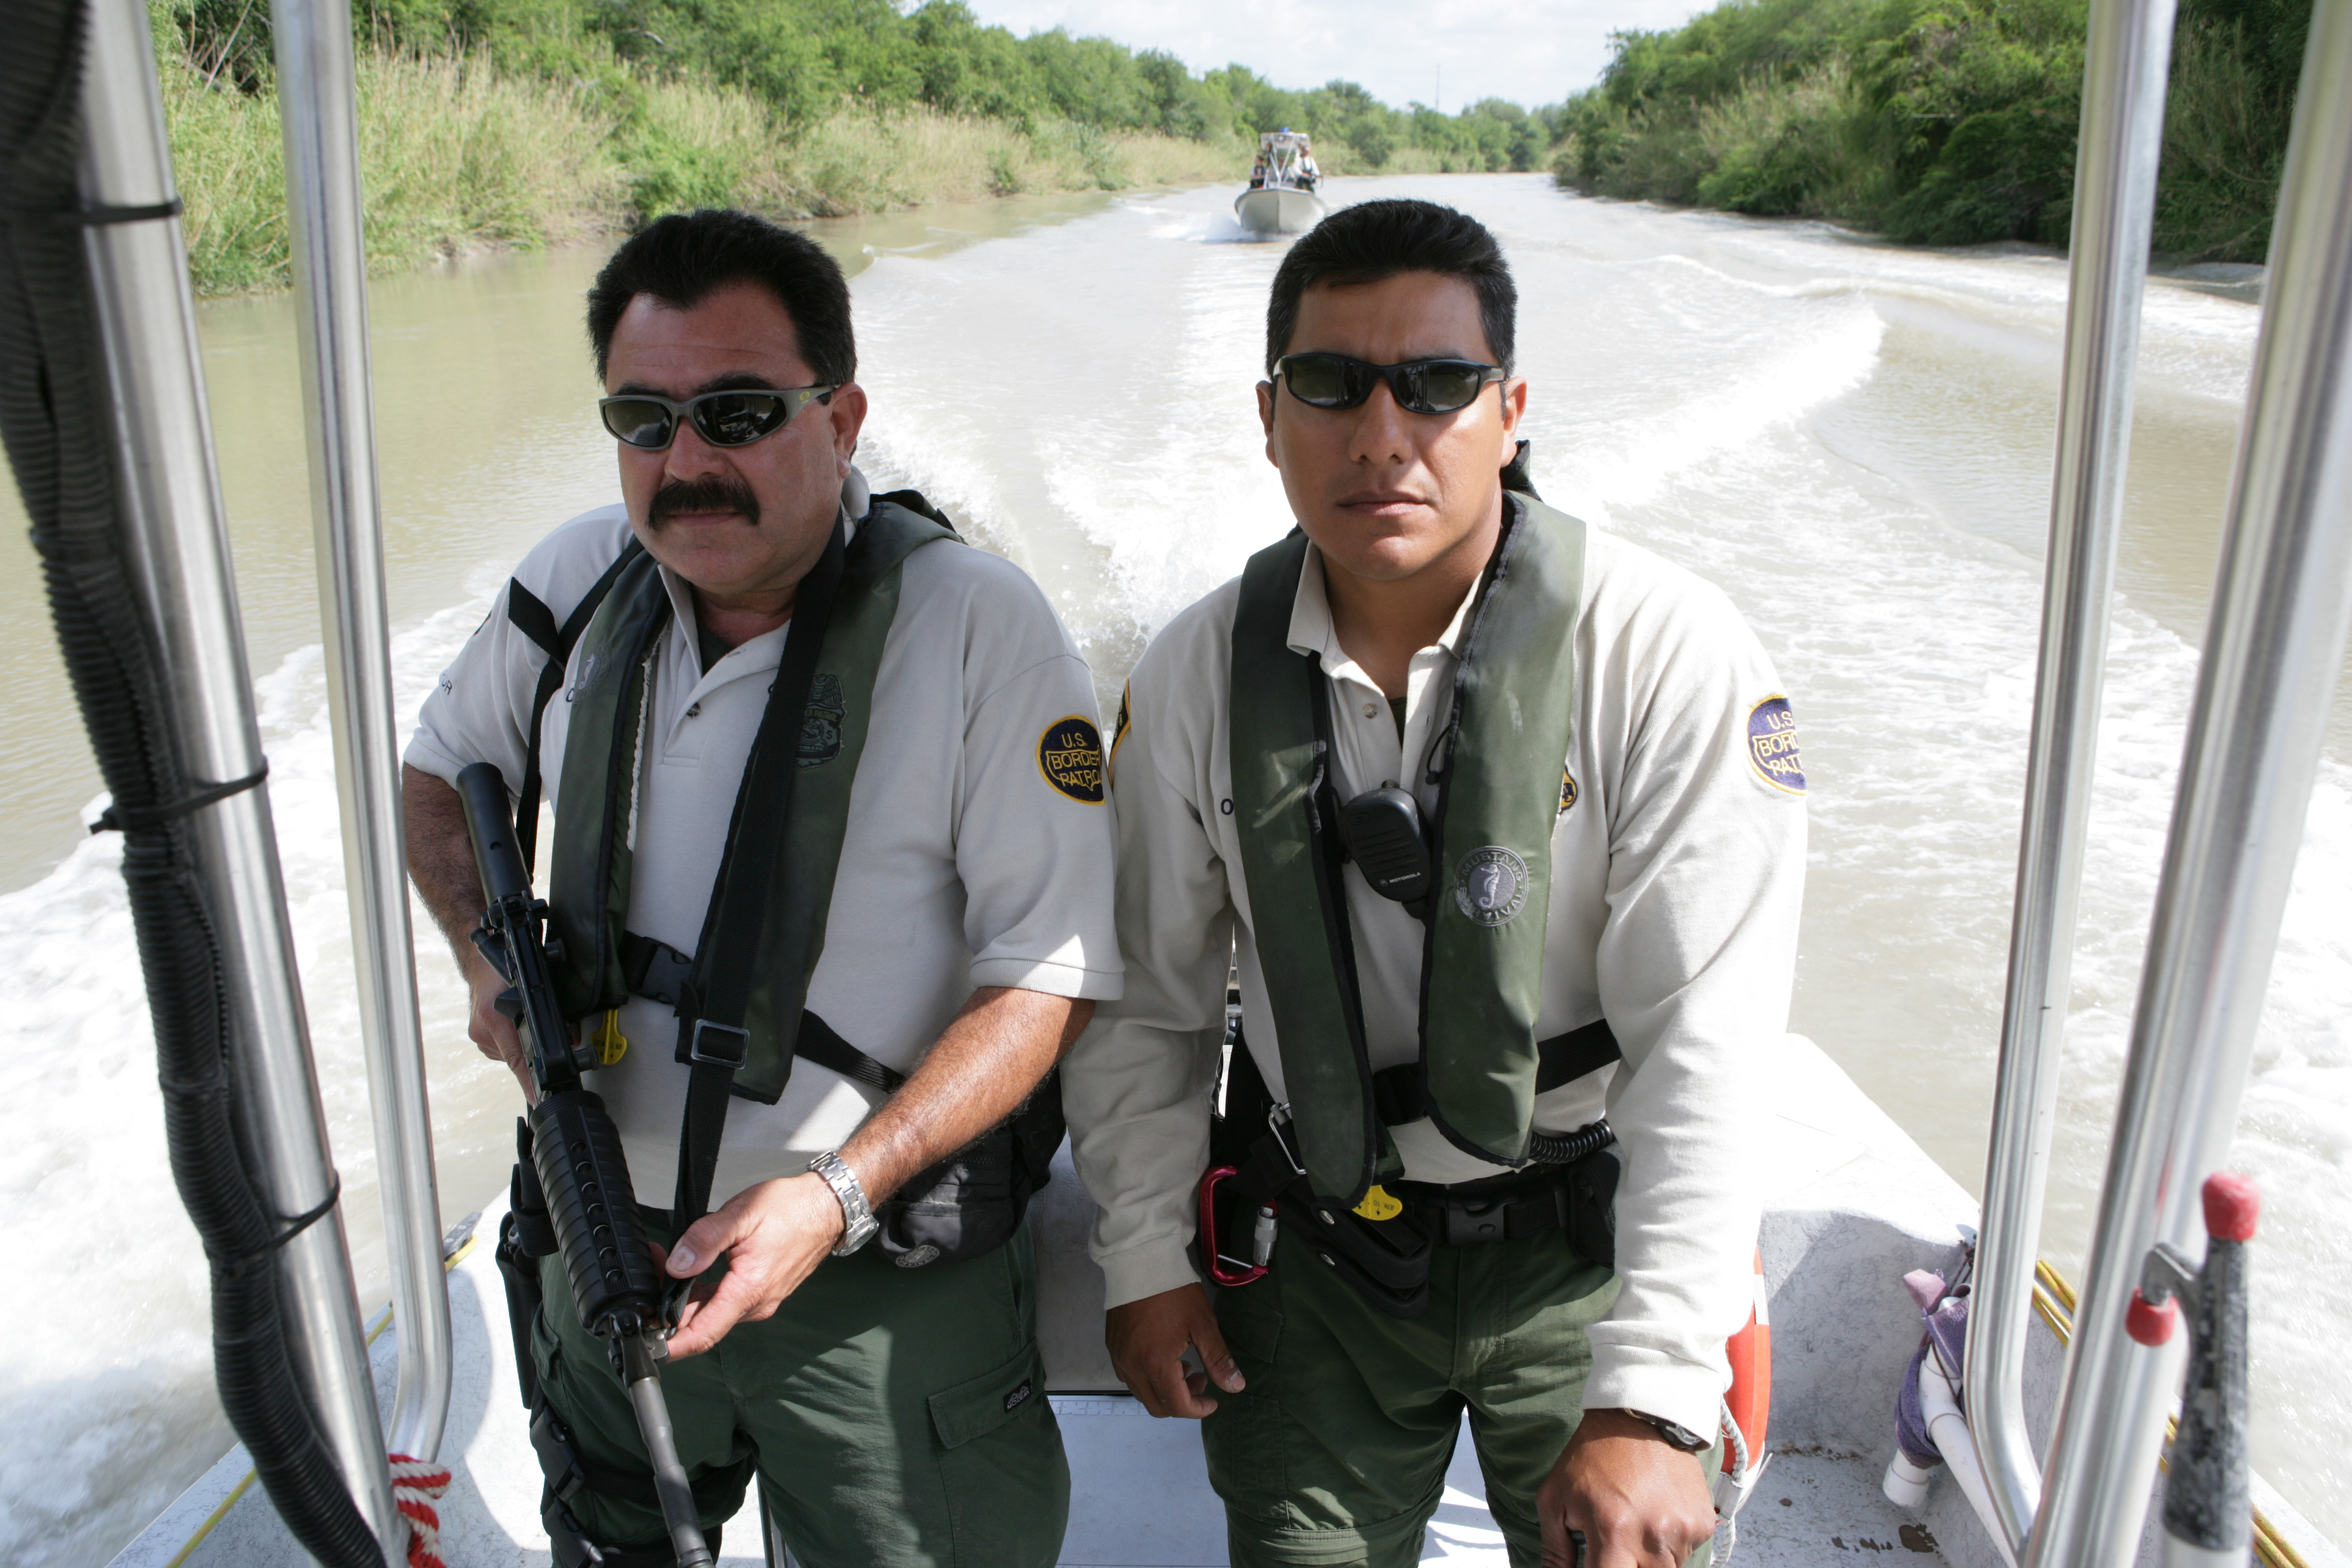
1852,440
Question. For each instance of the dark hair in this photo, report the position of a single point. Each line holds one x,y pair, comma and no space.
684,258
1372,241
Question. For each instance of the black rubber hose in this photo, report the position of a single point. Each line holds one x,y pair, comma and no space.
56,418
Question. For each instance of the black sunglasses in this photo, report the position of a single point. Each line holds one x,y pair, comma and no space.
1419,385
733,418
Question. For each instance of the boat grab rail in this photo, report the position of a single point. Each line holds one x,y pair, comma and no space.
2282,614
317,98
176,539
2126,55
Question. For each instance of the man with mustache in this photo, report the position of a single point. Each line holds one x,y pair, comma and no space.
842,1036
1501,820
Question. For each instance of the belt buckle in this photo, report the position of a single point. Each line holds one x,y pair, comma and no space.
1474,1220
718,1045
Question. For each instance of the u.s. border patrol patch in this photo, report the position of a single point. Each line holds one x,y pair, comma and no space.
1490,886
1772,745
1069,753
820,721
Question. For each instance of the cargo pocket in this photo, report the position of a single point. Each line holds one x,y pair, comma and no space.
1243,1439
1001,1466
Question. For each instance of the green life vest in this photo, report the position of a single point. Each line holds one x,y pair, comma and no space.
765,928
1497,764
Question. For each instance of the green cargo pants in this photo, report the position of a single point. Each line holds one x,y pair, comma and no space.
1335,1452
898,1416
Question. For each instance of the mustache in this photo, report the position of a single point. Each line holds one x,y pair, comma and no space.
712,492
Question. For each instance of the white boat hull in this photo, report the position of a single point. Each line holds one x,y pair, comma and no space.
1278,210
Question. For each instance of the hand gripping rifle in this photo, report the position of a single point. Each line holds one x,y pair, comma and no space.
574,1150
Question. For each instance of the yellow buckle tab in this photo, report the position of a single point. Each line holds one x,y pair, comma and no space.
1379,1205
607,1041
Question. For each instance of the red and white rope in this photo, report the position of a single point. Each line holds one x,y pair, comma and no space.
415,1485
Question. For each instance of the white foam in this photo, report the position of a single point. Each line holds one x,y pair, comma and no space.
1080,397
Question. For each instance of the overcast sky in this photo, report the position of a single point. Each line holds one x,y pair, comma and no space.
1532,51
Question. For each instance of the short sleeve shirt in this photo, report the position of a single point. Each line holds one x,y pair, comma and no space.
978,850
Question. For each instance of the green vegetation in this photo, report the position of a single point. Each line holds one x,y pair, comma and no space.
1936,121
523,122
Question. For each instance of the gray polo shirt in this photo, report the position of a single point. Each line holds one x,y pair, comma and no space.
975,855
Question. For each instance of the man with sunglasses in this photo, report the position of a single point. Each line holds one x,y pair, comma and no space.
1501,821
829,882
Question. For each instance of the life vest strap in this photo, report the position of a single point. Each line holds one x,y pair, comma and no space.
657,972
1400,1094
531,617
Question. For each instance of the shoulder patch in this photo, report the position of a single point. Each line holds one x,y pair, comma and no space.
1069,755
1772,745
1567,791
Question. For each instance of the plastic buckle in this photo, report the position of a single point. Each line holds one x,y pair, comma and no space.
718,1045
1472,1221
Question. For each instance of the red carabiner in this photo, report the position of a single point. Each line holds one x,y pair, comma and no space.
1224,1271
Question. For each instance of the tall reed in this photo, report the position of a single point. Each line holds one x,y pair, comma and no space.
456,156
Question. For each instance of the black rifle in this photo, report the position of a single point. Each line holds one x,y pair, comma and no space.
574,1150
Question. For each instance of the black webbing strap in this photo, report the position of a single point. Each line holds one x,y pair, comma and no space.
658,972
531,617
1331,893
1401,1097
94,217
816,1042
718,987
118,818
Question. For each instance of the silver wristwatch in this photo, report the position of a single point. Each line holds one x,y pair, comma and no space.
858,1223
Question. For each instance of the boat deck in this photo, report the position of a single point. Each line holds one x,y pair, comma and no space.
1850,1203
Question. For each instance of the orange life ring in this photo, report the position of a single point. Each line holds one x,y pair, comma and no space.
1750,1400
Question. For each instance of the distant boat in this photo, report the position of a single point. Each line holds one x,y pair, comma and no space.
1281,198
1278,210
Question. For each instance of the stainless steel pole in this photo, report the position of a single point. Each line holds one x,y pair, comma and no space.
178,536
2123,77
317,109
2282,611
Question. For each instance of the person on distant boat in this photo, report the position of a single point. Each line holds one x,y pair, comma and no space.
1502,820
1309,175
935,925
1257,172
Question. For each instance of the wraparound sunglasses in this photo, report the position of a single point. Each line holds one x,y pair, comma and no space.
1419,385
731,418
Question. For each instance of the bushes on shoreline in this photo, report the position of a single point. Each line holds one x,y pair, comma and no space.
456,155
524,122
1933,121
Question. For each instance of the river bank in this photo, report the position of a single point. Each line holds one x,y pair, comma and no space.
458,156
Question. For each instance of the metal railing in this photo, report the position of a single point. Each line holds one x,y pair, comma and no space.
2282,614
317,112
175,531
2124,69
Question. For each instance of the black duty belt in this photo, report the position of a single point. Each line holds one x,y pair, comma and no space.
1388,1261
